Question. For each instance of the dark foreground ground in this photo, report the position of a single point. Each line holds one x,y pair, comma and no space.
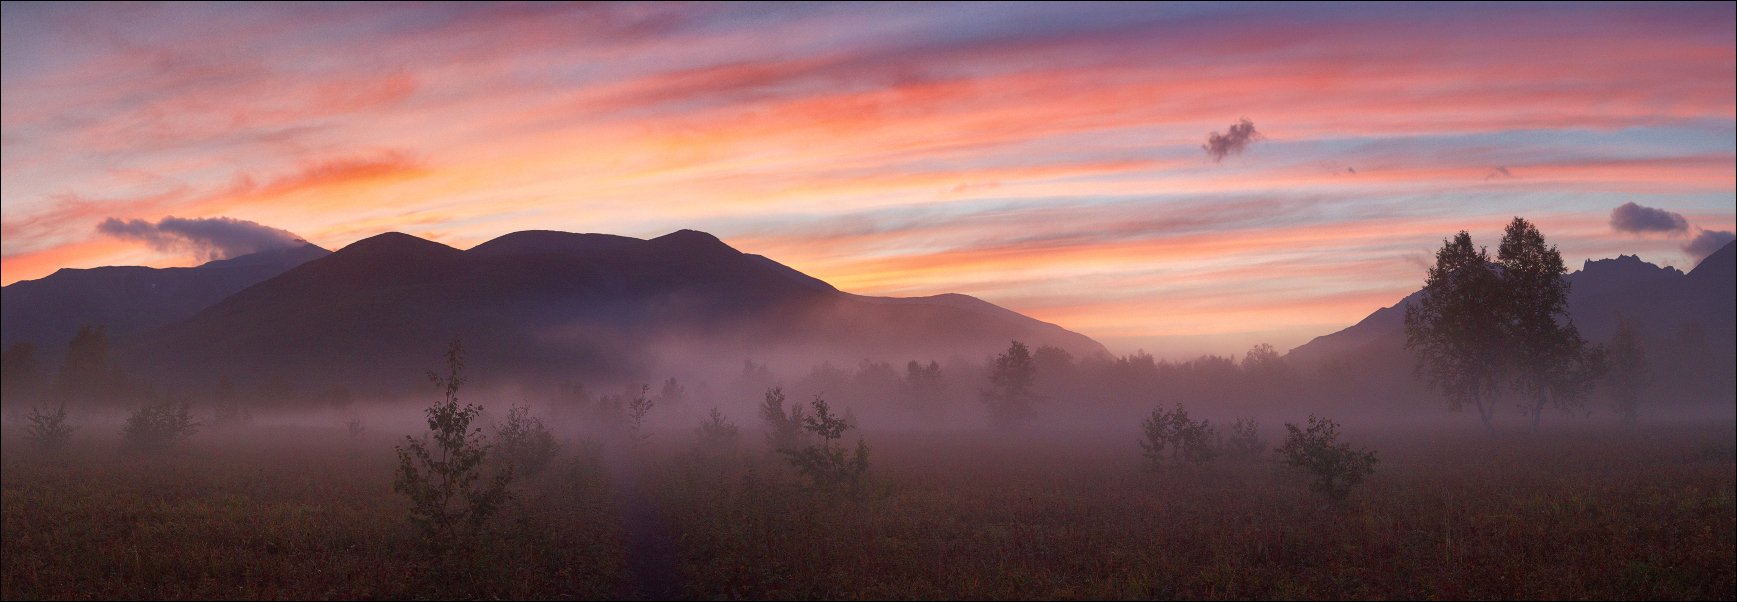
1589,512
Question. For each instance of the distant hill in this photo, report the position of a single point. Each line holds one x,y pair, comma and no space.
545,306
1686,321
130,299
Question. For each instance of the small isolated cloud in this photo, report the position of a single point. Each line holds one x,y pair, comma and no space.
207,239
1638,219
1707,242
1241,134
1501,171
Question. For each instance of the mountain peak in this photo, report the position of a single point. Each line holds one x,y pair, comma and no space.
395,243
693,240
1624,264
550,241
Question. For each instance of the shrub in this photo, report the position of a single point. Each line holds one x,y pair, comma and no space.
356,427
783,430
525,442
159,426
1172,433
825,465
1335,466
447,501
47,429
1245,440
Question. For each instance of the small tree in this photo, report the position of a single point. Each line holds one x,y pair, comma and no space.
447,501
1245,440
825,465
1172,433
159,426
356,427
637,408
783,430
1335,466
524,442
672,393
48,429
716,435
1010,396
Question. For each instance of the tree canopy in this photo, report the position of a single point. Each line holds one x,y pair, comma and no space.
1485,328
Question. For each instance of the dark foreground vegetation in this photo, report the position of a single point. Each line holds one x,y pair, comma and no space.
276,510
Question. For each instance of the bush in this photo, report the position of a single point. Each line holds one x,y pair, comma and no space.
159,426
48,430
356,427
447,502
1335,466
524,442
1245,440
825,465
1175,435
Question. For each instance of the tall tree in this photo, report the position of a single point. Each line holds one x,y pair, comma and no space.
1552,365
1010,395
1456,328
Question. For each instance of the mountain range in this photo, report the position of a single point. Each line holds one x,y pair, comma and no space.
548,306
539,305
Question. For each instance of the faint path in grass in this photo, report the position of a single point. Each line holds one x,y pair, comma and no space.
653,557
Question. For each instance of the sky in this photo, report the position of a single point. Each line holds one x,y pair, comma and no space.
1180,178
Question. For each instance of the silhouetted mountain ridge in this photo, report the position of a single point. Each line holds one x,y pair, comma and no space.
130,299
1685,320
544,306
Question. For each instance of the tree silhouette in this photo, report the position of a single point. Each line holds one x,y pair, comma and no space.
1482,327
1553,365
441,477
1456,328
1010,395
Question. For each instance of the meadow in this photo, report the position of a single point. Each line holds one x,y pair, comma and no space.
1581,511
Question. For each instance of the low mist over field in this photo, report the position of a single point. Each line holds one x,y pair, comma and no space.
885,301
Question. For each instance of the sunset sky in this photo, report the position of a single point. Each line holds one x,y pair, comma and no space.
1050,158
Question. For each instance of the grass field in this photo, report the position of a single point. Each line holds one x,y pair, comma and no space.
309,512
